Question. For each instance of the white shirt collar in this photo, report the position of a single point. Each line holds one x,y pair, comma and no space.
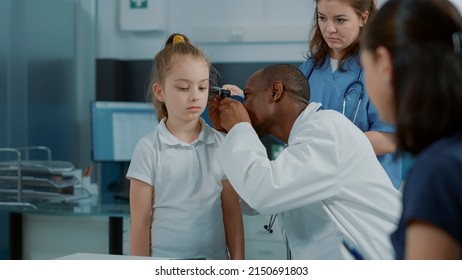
168,138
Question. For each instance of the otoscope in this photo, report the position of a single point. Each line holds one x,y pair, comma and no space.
219,91
223,93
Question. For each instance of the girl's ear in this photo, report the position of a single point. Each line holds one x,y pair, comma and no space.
158,92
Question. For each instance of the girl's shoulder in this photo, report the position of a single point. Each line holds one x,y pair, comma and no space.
211,134
149,141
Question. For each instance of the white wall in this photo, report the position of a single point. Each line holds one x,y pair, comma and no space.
228,31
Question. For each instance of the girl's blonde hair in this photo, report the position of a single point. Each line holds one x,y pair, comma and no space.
176,44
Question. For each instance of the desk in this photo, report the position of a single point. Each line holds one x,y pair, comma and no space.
84,209
87,256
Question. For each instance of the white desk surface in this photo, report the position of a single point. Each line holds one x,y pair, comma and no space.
90,256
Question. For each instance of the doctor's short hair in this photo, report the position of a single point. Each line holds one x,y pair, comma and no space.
293,80
427,68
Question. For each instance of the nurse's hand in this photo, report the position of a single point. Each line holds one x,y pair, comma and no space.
232,112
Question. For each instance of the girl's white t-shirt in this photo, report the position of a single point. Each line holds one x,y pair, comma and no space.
187,214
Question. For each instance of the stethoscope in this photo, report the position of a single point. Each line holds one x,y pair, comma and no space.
269,226
269,229
348,90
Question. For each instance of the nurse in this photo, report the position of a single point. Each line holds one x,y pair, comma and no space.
412,56
337,80
327,186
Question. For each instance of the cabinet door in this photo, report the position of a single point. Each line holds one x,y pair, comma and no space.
50,237
261,244
265,250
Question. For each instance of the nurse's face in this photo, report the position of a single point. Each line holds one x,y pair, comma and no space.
339,24
378,84
258,103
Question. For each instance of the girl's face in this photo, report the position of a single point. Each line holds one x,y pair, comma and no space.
377,69
339,24
185,89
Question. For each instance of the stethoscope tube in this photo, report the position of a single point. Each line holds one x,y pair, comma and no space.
347,92
269,226
360,97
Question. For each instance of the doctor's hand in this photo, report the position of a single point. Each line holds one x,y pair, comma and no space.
235,90
214,113
232,112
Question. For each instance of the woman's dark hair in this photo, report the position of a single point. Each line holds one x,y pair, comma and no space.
427,71
318,46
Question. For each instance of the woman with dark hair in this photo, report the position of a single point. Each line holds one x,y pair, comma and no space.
412,56
336,77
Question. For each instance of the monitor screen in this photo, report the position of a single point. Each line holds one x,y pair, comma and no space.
118,126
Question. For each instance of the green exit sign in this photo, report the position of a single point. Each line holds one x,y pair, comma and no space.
138,4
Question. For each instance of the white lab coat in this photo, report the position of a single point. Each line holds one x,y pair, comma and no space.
327,186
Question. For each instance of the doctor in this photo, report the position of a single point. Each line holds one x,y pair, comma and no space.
327,185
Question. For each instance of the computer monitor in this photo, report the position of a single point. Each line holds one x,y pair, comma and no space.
117,127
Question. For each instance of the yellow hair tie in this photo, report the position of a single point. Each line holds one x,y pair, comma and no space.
178,39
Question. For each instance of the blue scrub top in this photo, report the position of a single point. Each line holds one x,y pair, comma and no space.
329,89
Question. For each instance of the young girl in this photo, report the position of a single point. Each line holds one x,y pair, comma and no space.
180,203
